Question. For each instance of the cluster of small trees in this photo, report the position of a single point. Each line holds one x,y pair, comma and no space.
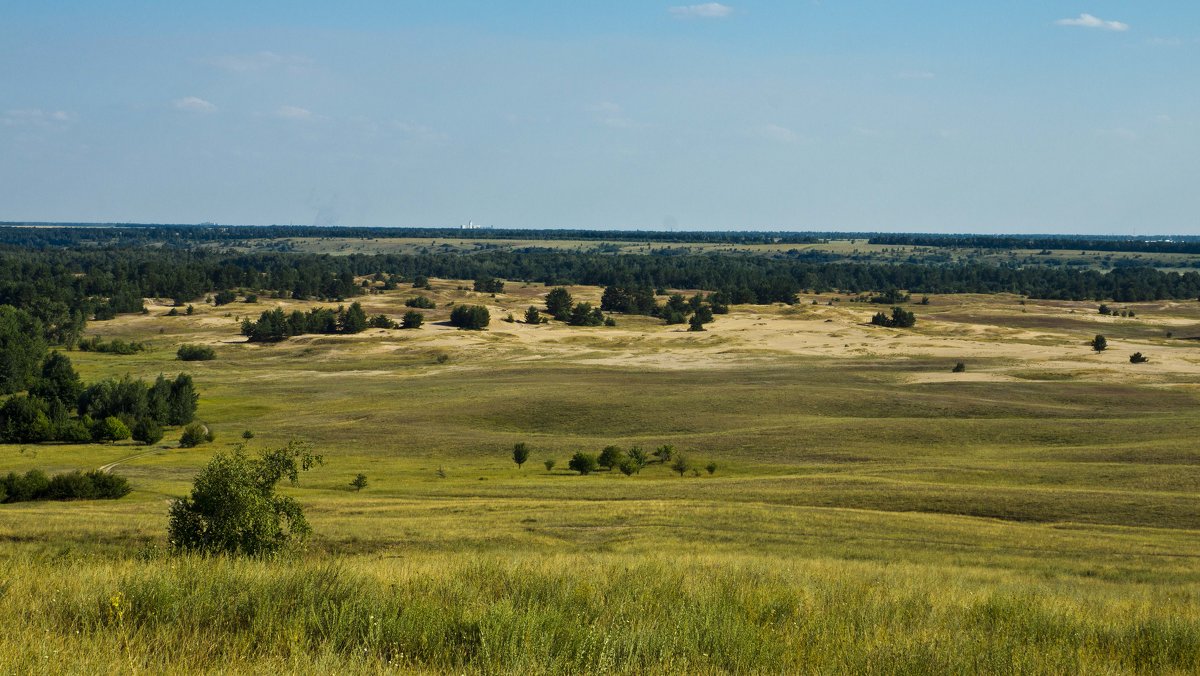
561,306
899,319
422,302
274,326
58,407
1107,311
489,285
35,485
696,311
471,317
614,457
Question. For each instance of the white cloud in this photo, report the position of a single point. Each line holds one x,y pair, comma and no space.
35,117
244,63
915,75
194,104
294,113
776,133
708,10
1089,21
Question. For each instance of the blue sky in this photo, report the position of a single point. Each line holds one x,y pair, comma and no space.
1014,116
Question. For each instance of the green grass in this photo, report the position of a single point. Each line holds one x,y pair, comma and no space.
861,519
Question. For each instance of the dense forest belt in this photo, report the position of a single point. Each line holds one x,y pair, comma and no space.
1179,244
40,235
100,281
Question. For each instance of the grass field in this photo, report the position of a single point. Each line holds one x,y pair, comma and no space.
871,511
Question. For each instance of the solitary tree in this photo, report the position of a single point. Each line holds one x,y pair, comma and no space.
520,453
681,464
1099,343
559,303
359,483
549,463
233,507
711,468
532,316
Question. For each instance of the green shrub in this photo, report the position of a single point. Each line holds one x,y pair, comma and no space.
147,430
195,353
194,435
584,463
110,429
421,302
412,320
233,507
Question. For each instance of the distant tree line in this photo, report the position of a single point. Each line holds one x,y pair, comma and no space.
1186,244
64,277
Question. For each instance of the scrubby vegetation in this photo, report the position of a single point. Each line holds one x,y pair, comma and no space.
35,485
195,353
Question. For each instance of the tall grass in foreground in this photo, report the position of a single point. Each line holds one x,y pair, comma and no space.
578,613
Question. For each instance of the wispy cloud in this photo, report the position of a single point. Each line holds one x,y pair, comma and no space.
1122,133
419,132
612,115
35,117
244,63
775,133
1089,21
294,113
708,10
194,104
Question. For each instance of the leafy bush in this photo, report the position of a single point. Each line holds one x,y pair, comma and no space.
549,464
194,435
470,317
110,429
224,297
195,353
233,507
114,346
382,322
584,463
532,316
35,485
681,464
420,302
1099,343
359,482
1138,358
959,367
610,457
